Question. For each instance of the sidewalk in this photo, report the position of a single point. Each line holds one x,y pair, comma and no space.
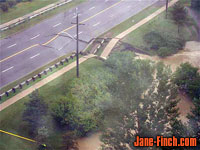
42,82
114,41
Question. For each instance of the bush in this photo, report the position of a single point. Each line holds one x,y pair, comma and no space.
164,44
11,3
187,78
175,43
155,40
4,7
164,51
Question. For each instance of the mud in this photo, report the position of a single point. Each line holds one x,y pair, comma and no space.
91,142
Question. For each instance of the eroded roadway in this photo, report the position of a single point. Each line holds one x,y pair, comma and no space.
28,50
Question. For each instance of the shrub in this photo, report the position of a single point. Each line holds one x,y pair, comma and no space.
187,78
164,44
164,51
4,7
174,43
11,3
155,40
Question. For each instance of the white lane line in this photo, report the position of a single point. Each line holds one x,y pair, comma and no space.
96,24
57,25
80,32
92,8
35,56
35,37
60,48
7,69
74,17
12,45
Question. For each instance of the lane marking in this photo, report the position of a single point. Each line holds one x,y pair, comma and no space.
92,8
7,69
12,45
96,24
83,22
60,48
74,17
35,37
19,52
57,25
80,32
35,56
62,31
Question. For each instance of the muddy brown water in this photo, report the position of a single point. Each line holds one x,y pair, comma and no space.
191,54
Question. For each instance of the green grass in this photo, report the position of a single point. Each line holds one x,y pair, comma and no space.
40,18
129,22
11,117
162,25
24,8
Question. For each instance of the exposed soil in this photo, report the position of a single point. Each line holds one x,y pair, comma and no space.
91,142
191,54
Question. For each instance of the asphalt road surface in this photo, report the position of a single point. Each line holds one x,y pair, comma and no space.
28,50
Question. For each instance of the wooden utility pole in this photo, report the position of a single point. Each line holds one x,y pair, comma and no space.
77,42
167,1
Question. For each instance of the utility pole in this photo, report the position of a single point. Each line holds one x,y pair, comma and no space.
166,8
77,42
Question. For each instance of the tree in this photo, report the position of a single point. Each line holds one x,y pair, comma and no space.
187,78
4,6
194,119
179,15
67,111
141,105
69,141
11,3
34,113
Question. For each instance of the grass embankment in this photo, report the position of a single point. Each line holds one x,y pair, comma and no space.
167,32
40,18
24,8
131,21
11,117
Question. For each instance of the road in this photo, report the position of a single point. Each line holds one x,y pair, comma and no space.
28,50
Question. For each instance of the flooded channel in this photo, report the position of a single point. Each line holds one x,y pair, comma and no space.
190,54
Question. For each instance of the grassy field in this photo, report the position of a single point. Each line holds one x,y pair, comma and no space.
162,25
24,8
38,19
11,118
130,22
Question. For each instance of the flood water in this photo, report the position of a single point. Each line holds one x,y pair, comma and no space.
190,54
91,142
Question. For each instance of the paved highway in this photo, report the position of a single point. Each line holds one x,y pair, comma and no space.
28,50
